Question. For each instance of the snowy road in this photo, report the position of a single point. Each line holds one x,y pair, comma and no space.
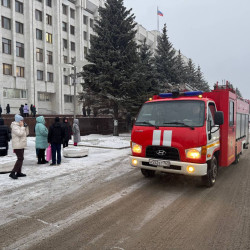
100,202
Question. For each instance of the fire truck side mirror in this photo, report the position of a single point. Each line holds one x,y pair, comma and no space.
219,118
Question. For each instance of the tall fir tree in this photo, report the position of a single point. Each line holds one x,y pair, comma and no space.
180,69
200,82
165,60
113,52
190,73
144,82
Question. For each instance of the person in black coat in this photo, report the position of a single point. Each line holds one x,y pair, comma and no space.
1,111
34,111
88,111
84,111
7,109
67,132
5,136
21,110
55,138
31,109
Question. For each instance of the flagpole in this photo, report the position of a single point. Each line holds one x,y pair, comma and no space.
157,19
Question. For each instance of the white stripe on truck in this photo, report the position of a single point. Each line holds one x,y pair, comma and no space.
167,138
156,137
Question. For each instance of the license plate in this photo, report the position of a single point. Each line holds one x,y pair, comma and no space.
159,163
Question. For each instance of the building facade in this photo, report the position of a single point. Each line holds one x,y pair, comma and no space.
39,39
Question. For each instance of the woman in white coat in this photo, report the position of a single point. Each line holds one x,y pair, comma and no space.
19,132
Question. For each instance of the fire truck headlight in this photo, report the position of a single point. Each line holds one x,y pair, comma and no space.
136,148
190,169
134,162
193,153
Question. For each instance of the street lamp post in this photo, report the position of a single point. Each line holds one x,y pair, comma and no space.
76,64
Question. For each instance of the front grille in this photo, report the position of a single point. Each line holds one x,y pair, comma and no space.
171,153
170,167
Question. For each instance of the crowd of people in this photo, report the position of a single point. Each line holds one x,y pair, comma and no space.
23,109
58,134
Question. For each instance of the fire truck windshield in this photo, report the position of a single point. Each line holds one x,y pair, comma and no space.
184,113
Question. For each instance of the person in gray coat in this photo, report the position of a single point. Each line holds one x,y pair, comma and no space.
76,132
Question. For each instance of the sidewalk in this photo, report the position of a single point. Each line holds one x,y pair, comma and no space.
45,184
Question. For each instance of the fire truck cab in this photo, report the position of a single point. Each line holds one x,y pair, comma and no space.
190,133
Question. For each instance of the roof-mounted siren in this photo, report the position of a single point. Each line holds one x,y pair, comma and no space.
175,93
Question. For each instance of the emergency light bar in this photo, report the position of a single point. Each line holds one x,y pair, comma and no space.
188,93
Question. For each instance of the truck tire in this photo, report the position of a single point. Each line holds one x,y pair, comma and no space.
147,173
212,172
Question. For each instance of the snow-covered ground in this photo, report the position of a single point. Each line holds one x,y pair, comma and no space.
45,183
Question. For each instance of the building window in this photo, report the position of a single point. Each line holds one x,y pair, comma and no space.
72,13
85,51
44,97
66,80
7,69
6,46
39,34
64,26
65,44
72,46
39,75
6,23
6,3
48,3
48,37
19,28
15,93
68,98
39,55
72,30
50,77
49,57
64,9
85,20
19,7
91,23
19,71
65,59
19,49
48,19
85,35
39,15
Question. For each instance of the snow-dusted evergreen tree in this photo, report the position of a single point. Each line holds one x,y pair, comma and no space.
200,82
113,52
190,73
165,60
144,82
180,69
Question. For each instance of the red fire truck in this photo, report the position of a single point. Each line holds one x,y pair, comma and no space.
190,133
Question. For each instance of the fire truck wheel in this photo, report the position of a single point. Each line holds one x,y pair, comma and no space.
212,172
147,173
237,159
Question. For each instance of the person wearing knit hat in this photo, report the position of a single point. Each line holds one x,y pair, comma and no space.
18,118
19,134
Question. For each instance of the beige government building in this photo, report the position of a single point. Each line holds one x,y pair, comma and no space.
39,38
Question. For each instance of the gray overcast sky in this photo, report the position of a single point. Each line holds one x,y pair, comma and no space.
215,34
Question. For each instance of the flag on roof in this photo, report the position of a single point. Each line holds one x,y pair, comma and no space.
159,13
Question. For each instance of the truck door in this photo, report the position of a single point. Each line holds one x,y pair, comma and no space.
212,131
231,132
